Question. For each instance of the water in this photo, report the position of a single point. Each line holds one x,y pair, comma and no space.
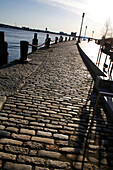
14,36
91,49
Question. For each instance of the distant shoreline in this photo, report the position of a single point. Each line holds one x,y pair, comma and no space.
30,29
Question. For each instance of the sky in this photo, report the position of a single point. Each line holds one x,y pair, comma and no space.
57,15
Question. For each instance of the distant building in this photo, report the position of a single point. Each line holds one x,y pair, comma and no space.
62,33
73,34
25,28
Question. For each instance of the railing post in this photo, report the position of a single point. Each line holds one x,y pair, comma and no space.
3,49
34,42
24,50
47,41
65,38
56,39
60,39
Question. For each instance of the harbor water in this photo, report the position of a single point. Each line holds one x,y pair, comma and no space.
14,36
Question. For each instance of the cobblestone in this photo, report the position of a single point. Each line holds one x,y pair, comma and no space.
4,133
58,164
49,154
10,141
16,149
61,136
14,166
30,160
44,124
42,133
7,156
27,131
44,140
21,137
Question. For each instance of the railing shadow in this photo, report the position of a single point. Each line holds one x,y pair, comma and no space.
93,143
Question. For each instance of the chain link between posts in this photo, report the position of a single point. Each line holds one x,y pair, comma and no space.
40,44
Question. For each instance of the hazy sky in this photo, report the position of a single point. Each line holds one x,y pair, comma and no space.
57,15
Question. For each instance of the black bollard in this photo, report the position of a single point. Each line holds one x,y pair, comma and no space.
3,49
34,42
60,39
56,39
65,38
24,51
47,41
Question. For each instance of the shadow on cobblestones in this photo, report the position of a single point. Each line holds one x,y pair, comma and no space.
98,148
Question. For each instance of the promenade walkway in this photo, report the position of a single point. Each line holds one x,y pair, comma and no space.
44,125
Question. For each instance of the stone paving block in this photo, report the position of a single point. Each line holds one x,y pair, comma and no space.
15,166
10,141
31,160
52,147
51,130
54,126
16,149
34,145
2,127
76,157
42,133
27,131
17,116
70,150
44,140
12,129
62,143
49,154
66,132
3,114
15,120
76,125
58,164
4,133
61,136
69,128
7,156
3,118
20,136
37,124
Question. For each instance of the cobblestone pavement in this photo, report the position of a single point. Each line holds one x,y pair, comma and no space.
44,125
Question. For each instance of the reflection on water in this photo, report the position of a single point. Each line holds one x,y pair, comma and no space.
91,49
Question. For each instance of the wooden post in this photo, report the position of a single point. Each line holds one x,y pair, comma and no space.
47,41
34,42
65,38
60,39
56,39
24,51
3,49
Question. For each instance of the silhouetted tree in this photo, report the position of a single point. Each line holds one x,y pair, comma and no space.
107,29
